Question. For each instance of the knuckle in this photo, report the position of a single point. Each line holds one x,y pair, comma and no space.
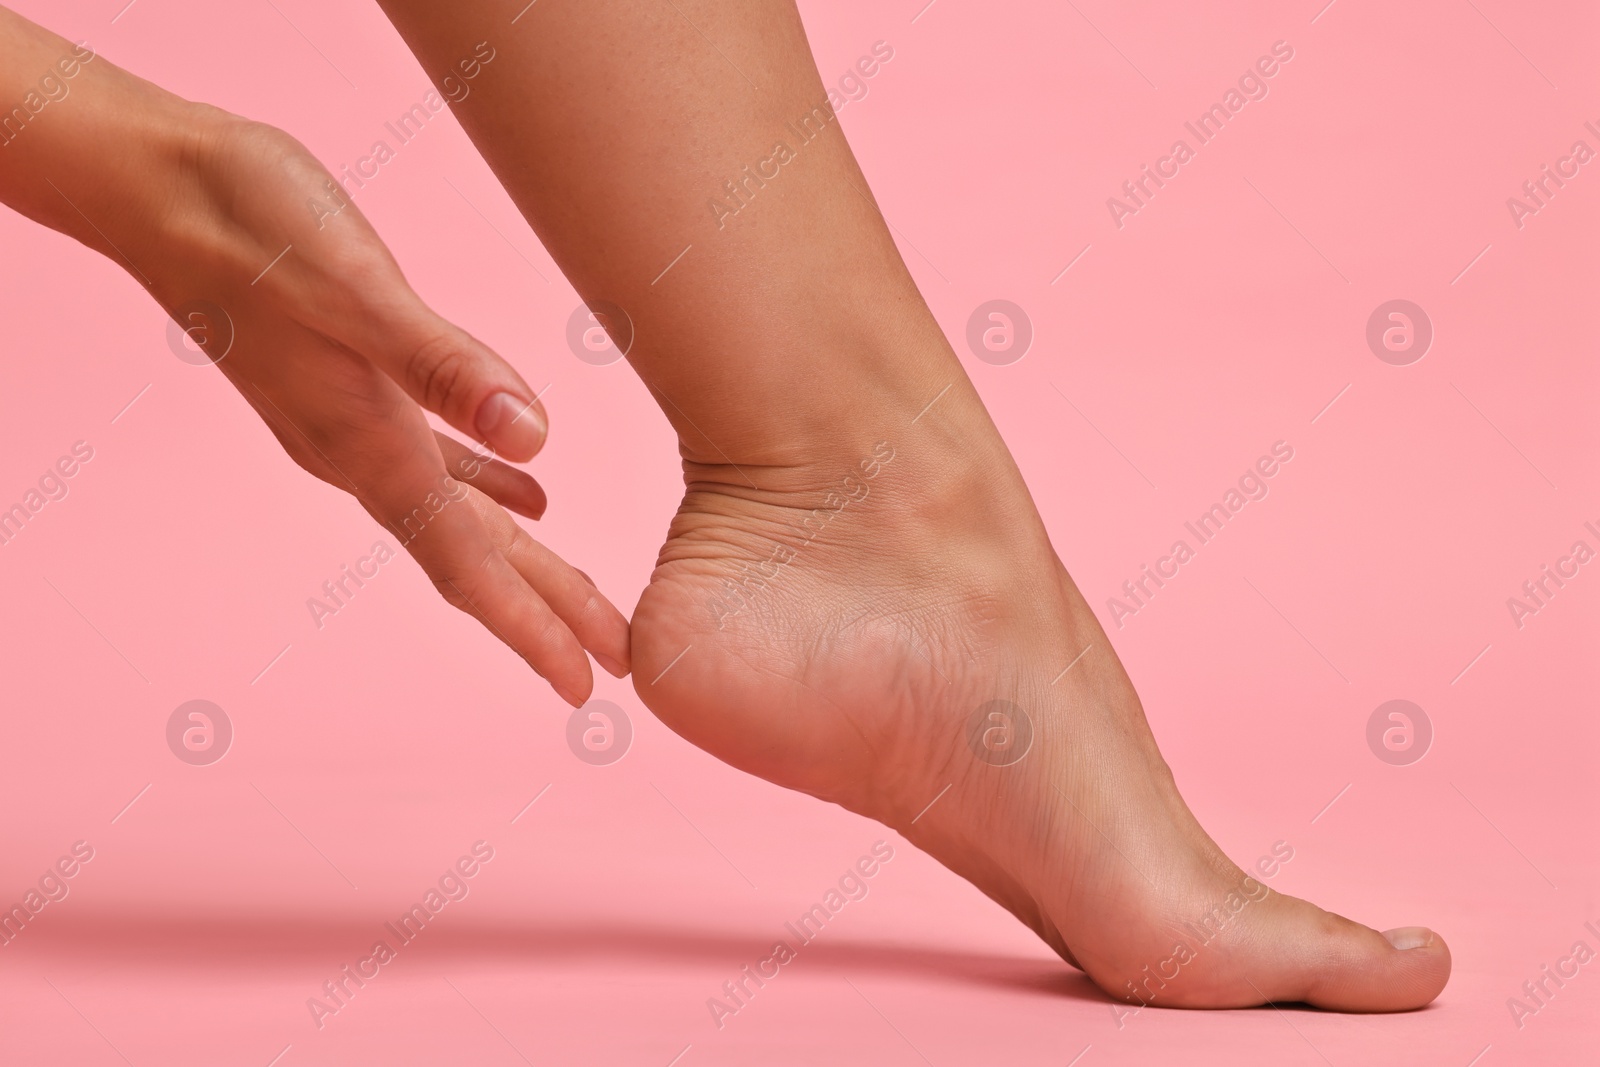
308,463
364,271
552,636
452,594
595,610
438,372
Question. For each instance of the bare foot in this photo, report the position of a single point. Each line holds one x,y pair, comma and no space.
883,624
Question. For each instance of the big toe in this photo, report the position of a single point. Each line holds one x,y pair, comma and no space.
1328,961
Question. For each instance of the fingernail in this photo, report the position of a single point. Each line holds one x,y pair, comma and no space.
568,697
528,504
1409,937
616,669
515,427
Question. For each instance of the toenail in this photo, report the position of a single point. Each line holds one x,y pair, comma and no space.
1409,937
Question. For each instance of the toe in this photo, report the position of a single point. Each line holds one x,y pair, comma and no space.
1331,962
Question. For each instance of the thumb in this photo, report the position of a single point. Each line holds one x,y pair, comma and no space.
462,380
438,364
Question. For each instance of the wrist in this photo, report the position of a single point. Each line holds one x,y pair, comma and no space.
100,155
136,170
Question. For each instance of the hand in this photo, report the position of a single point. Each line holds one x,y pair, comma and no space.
310,318
335,352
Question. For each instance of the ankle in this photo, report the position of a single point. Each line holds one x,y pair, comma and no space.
828,392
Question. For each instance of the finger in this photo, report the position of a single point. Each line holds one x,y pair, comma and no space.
509,487
471,573
294,443
353,292
595,621
383,450
496,594
448,371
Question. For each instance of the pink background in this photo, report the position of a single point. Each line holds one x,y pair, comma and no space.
1221,318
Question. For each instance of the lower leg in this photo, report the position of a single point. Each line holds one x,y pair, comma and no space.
857,598
617,128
